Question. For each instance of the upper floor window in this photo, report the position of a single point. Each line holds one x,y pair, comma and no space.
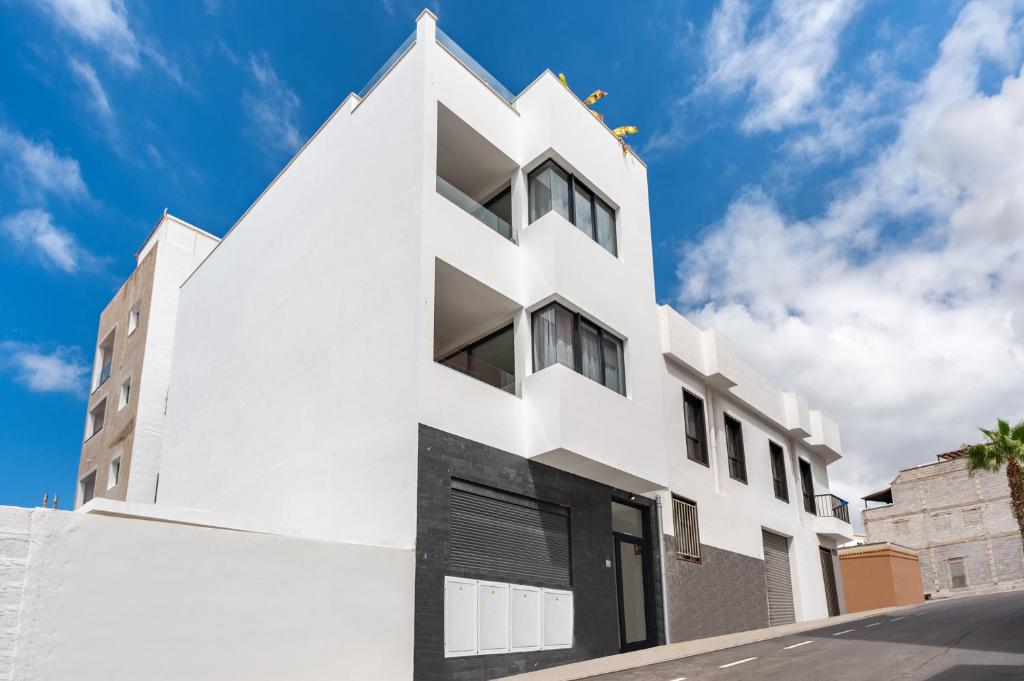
734,447
87,487
807,487
133,319
94,423
693,415
778,472
567,338
104,359
553,189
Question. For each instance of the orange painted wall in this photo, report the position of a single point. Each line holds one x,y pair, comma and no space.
880,579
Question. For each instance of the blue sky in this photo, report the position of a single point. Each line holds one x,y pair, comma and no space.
836,185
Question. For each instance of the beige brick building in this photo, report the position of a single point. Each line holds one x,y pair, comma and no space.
125,414
961,524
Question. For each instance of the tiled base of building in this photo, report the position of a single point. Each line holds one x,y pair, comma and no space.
722,594
443,456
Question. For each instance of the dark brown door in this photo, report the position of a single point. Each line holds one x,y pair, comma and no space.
829,574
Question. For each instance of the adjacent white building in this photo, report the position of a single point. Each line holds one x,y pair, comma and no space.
436,333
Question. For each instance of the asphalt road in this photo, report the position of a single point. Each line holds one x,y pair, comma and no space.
965,639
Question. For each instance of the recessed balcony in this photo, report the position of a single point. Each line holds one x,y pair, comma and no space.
473,174
473,328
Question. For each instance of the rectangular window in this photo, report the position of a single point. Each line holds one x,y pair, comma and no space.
125,394
684,521
114,473
88,487
492,359
779,472
549,191
957,573
133,319
807,487
94,423
693,415
104,360
553,189
564,337
734,447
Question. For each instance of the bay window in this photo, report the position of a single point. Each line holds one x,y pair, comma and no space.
566,338
553,189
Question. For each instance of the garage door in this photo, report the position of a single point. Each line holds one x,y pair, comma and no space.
497,534
777,579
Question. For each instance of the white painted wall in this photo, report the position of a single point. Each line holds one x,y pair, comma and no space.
294,387
116,598
182,248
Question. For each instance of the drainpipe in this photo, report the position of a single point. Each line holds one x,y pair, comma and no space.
661,561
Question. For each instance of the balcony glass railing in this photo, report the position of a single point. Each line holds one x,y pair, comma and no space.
465,363
831,506
480,212
480,72
392,60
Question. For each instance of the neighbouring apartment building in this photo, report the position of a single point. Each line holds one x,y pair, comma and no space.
436,333
961,525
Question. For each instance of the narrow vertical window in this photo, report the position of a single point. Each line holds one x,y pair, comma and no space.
88,487
734,445
94,423
590,352
125,394
807,487
693,416
114,473
549,191
614,369
957,573
133,319
553,338
605,226
779,481
583,209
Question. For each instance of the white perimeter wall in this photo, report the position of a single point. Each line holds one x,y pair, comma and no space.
293,390
116,598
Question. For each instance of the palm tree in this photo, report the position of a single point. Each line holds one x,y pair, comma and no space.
1005,447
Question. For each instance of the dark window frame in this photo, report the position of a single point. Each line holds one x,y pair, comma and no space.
780,483
468,348
702,438
735,452
807,486
573,182
577,351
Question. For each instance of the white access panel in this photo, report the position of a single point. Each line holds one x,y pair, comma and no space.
459,617
524,618
557,618
492,617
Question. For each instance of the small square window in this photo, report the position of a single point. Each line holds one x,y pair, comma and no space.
133,318
125,394
114,473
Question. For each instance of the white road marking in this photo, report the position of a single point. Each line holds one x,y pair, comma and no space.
897,619
797,645
681,678
840,633
733,664
921,613
872,625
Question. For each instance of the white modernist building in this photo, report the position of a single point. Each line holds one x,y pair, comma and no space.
435,334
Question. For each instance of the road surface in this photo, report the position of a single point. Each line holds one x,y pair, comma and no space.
978,638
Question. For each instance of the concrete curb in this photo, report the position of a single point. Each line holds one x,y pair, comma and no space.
676,651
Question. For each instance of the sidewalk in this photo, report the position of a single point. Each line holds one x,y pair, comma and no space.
675,651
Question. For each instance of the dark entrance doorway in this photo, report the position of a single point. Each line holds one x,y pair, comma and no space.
829,573
633,575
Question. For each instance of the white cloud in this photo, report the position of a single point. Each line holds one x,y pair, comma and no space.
33,231
35,169
105,25
900,308
61,370
781,61
98,100
102,23
272,107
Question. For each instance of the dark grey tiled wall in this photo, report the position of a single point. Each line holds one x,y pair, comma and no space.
722,594
443,456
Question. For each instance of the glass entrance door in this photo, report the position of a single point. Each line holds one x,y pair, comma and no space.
632,570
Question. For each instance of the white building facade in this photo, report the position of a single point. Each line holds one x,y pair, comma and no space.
436,332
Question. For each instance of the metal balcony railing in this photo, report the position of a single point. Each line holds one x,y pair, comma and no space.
831,506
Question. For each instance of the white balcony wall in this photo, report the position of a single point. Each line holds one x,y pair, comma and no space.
293,397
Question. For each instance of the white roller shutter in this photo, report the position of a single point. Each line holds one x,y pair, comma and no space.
777,579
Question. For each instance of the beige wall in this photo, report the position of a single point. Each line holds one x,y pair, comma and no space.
879,578
118,432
